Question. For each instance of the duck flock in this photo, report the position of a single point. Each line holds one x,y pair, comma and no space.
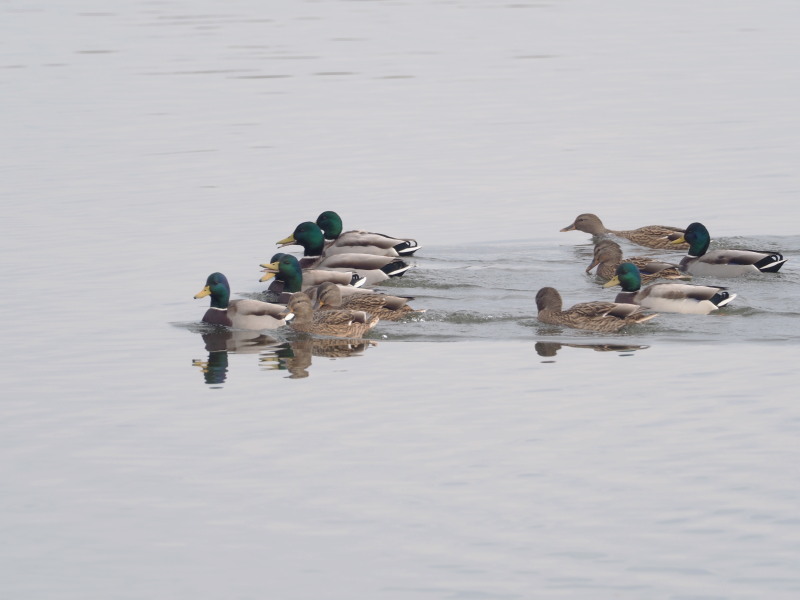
327,290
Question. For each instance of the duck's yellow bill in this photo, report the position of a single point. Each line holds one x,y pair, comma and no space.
680,240
611,282
270,270
286,241
203,293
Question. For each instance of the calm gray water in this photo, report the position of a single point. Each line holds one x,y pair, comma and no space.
471,452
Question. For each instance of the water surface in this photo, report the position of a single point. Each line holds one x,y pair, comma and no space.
468,453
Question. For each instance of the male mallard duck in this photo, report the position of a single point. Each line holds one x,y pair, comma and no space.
608,256
285,268
383,306
683,298
596,316
366,242
316,256
724,263
651,236
239,314
336,323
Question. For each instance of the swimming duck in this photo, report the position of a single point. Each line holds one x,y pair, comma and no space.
239,314
608,256
336,323
286,270
683,298
316,255
724,263
383,306
651,236
367,242
595,316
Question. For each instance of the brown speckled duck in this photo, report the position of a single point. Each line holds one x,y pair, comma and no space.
608,256
595,316
383,306
651,236
335,323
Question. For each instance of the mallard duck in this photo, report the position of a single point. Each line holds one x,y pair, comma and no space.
651,236
286,270
373,267
683,298
724,263
239,314
366,242
608,256
383,306
595,316
336,323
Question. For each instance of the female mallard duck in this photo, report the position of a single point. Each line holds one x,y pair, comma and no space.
286,270
651,236
595,316
336,323
608,256
365,241
383,306
316,256
724,263
683,298
239,314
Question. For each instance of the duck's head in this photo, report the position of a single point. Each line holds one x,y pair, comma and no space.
329,294
218,288
548,298
300,306
627,276
605,251
309,236
331,224
698,238
287,269
588,223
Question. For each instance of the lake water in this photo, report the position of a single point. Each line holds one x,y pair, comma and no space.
470,452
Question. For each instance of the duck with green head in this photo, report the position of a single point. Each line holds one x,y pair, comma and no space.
375,268
651,236
366,242
594,316
724,262
291,278
239,314
683,298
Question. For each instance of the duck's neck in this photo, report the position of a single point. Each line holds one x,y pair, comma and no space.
698,248
314,247
220,299
292,281
630,284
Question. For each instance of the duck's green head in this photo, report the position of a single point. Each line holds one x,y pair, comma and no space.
309,236
286,269
628,277
331,224
698,238
218,288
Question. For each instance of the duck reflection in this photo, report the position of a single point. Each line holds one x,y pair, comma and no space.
294,356
221,341
550,349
